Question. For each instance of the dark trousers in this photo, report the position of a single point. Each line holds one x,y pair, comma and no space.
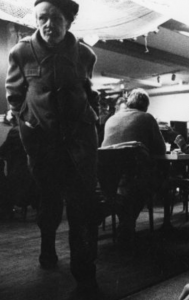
59,179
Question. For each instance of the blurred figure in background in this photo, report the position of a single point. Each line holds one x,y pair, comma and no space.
181,143
121,103
21,189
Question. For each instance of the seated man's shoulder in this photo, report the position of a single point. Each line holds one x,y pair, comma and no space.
114,118
149,116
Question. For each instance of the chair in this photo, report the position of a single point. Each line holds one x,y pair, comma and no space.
113,163
183,185
176,184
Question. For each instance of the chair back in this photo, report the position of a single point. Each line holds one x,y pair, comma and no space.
117,159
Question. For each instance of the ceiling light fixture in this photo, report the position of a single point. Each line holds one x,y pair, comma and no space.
146,43
173,77
152,83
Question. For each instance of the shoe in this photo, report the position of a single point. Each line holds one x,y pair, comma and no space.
47,261
126,246
87,290
48,258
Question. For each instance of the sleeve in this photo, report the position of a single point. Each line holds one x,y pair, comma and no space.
15,85
88,57
157,142
93,96
92,64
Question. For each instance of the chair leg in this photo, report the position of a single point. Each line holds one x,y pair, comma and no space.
104,224
185,195
114,227
24,212
151,213
151,217
187,208
113,214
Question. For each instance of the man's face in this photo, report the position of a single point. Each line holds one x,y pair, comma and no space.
51,23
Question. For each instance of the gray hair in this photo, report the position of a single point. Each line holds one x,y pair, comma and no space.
138,99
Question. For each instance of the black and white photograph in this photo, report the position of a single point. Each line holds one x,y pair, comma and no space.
94,150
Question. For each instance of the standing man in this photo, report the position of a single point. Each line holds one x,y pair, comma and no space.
49,90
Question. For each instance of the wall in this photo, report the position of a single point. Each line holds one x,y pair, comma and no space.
170,107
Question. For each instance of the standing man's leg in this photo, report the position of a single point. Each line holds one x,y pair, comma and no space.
47,174
82,209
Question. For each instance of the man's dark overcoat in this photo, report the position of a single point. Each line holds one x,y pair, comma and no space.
50,89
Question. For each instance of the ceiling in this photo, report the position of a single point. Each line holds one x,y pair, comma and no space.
147,62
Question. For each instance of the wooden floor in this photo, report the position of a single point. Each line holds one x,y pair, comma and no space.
167,290
21,278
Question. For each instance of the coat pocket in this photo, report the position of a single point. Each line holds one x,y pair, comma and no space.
33,72
30,136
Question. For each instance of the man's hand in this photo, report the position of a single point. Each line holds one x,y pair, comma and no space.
180,141
9,115
185,293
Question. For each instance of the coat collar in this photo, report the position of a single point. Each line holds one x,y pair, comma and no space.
68,48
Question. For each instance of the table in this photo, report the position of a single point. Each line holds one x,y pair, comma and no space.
166,163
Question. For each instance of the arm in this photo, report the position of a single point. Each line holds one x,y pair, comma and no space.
93,96
88,58
157,142
15,84
181,143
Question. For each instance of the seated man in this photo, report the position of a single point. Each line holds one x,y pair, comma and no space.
133,123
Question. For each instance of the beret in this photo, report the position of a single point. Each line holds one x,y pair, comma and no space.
68,7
